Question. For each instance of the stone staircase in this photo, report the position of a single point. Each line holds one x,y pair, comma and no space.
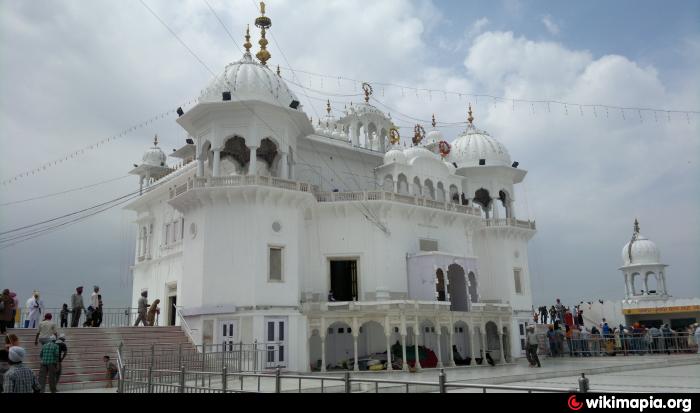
83,367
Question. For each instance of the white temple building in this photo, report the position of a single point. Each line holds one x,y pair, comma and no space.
330,242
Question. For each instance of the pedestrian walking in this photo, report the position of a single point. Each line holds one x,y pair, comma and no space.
112,370
49,357
7,307
532,346
77,306
15,310
19,378
142,308
98,311
35,307
62,352
47,331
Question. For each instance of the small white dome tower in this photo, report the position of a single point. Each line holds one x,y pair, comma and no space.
641,261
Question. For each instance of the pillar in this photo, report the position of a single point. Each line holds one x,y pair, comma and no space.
323,353
388,351
216,170
472,342
439,347
494,208
451,343
483,340
283,168
403,348
416,331
627,286
662,278
200,167
253,165
646,284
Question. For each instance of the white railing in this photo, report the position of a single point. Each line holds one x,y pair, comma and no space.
241,180
375,305
510,222
394,197
183,324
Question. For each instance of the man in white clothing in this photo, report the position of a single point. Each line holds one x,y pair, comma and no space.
94,299
35,307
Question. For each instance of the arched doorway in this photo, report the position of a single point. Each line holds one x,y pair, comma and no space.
483,198
457,287
492,341
371,343
429,342
462,344
651,280
440,285
403,184
339,346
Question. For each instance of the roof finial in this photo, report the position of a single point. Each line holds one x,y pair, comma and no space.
247,43
636,226
155,140
328,107
278,71
470,119
264,23
434,124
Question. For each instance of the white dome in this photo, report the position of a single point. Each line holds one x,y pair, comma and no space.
643,251
476,144
418,152
433,137
450,167
394,155
154,157
249,80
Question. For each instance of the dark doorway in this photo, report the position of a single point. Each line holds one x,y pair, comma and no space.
172,302
344,280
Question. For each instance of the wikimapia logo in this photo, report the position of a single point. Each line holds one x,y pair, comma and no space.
605,402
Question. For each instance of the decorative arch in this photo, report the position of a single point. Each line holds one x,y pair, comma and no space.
454,194
633,282
429,190
462,344
440,193
403,184
235,148
371,340
339,346
506,202
388,184
457,287
483,198
417,190
654,279
492,341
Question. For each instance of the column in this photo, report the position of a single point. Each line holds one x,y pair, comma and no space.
472,342
483,340
323,353
646,285
253,165
216,171
403,348
416,331
200,167
662,277
451,343
355,335
283,168
396,186
500,344
494,208
439,347
627,286
388,351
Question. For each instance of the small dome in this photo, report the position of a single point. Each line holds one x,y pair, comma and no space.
643,251
394,155
249,80
418,152
476,144
154,156
433,137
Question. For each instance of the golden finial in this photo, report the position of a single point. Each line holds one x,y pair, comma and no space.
278,71
247,43
470,119
264,23
434,124
636,226
328,107
155,140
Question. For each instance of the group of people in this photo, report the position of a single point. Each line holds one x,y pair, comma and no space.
147,312
559,312
93,313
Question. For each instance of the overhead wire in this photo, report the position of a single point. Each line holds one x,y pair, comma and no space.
64,192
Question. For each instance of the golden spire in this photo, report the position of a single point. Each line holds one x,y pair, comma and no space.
155,140
470,119
434,124
264,23
367,88
247,43
278,71
328,107
636,226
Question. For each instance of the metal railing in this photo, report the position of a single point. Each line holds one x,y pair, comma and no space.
610,345
184,381
110,317
183,323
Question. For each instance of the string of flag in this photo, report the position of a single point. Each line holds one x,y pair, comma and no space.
96,145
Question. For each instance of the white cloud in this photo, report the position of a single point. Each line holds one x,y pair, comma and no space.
552,27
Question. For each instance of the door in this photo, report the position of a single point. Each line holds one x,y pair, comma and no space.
172,302
344,280
228,330
276,342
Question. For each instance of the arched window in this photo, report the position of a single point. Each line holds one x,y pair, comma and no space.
388,183
417,190
473,288
429,190
454,194
440,285
403,184
440,196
